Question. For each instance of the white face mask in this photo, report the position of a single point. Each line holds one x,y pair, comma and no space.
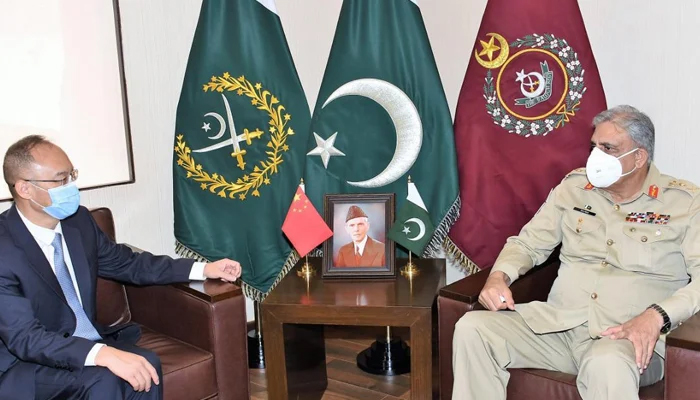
603,169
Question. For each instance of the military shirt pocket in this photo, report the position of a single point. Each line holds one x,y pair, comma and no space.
645,245
578,226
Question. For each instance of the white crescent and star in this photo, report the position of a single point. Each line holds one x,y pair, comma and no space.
421,228
403,114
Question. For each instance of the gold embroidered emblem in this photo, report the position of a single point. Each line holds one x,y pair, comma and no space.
264,101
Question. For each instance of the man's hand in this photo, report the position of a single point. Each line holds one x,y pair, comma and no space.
495,291
643,331
224,269
131,367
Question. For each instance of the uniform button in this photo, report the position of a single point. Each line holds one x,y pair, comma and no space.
610,242
617,207
66,334
633,229
594,296
644,239
604,263
578,230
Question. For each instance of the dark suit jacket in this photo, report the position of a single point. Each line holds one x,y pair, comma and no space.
372,256
36,322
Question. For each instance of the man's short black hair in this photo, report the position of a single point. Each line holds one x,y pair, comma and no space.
18,157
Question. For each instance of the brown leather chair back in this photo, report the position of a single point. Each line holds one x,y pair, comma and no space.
112,305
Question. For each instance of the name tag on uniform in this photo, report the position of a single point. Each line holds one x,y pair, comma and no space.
587,212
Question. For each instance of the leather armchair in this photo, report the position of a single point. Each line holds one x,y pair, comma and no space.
198,330
682,344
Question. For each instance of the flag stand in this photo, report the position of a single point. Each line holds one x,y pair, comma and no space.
389,355
256,354
306,271
409,270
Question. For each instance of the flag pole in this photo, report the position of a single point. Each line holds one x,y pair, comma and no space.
306,271
409,270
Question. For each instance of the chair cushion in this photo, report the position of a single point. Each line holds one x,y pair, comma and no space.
188,372
527,384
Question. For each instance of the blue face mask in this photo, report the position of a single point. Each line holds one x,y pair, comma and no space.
65,200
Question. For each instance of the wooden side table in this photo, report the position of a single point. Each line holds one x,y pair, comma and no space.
294,314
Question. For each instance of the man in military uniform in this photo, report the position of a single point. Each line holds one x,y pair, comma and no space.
630,243
363,251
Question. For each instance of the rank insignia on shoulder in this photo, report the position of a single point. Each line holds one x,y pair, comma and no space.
683,185
589,186
648,218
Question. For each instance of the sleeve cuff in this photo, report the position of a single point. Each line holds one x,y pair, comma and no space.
90,359
197,271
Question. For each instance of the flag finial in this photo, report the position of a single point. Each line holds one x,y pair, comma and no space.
301,182
409,179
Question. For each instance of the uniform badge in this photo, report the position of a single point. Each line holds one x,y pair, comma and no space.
648,218
653,191
589,186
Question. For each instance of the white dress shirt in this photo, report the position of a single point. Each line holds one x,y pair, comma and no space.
360,248
44,237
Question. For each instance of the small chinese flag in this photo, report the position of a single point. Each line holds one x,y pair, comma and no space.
303,225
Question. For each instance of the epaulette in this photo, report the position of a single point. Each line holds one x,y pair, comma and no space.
577,171
683,185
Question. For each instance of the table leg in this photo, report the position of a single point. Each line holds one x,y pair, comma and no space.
421,358
276,368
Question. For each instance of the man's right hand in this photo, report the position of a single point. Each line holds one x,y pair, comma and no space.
495,290
131,367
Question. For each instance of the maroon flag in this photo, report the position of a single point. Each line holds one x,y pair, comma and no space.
523,119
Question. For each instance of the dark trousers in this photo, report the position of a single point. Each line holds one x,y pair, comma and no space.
95,382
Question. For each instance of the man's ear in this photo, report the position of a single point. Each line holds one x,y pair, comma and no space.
641,157
23,189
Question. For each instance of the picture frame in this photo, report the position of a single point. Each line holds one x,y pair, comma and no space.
359,247
70,52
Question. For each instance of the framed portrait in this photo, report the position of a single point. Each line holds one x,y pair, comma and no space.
359,247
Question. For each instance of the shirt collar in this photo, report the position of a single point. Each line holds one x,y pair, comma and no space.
652,184
43,236
361,246
651,187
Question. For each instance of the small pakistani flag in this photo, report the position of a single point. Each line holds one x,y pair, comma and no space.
412,228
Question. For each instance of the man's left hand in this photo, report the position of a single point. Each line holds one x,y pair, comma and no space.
224,269
643,331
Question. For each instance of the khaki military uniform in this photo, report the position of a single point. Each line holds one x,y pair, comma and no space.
616,260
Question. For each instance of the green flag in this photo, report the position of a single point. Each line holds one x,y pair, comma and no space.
413,228
241,129
381,114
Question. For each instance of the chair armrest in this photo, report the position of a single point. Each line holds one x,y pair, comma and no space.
683,361
463,296
534,285
209,315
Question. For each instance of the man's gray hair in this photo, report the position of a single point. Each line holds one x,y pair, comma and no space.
637,124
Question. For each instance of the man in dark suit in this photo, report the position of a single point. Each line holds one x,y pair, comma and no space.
51,253
363,251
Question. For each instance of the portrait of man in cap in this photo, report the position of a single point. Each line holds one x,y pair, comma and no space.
362,251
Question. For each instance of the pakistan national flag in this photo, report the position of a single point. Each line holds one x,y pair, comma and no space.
412,228
382,115
240,136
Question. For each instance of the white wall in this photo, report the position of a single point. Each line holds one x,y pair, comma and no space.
644,50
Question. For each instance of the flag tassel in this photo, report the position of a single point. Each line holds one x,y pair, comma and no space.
435,246
458,257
